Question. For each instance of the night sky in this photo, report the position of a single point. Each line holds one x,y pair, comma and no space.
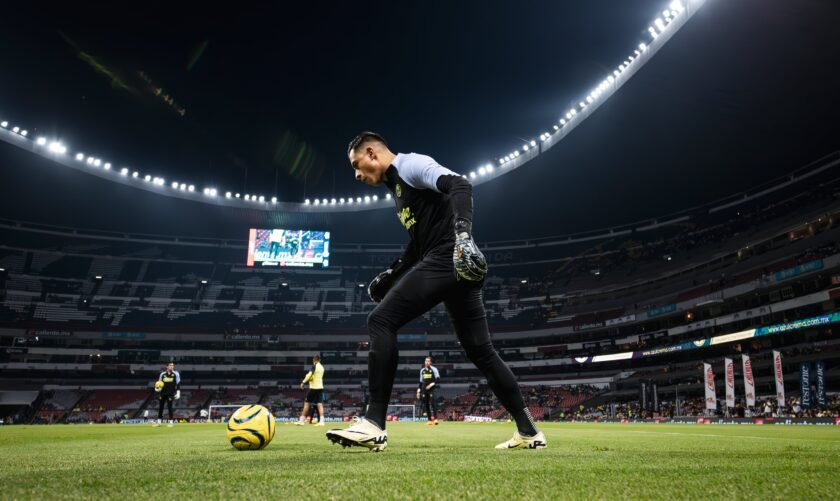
268,96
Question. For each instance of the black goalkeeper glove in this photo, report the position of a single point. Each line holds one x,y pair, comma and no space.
470,263
383,282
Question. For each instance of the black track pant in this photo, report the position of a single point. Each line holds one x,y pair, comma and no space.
167,399
429,283
429,404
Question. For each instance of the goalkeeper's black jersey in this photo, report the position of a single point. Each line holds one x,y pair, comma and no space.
171,382
424,212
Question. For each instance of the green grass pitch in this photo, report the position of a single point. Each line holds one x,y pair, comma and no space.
450,461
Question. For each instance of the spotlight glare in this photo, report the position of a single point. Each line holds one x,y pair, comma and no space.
387,196
24,133
124,171
358,200
107,166
350,200
4,124
262,198
135,174
525,148
556,127
247,197
324,202
367,199
175,185
306,202
317,202
332,201
97,162
374,198
274,200
148,178
341,201
80,156
228,195
482,171
41,141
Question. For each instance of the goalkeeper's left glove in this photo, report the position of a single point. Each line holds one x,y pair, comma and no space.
468,259
177,394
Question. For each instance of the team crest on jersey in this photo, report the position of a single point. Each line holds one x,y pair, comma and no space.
398,190
406,217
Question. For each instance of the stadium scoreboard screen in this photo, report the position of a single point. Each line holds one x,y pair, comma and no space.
278,247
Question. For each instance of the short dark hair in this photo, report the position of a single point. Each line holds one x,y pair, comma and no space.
317,358
365,137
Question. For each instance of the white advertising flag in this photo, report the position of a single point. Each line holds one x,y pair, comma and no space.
709,377
730,383
780,379
749,382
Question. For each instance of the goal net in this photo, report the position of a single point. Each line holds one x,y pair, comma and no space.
220,413
403,412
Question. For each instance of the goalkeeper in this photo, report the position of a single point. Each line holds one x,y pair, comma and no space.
429,381
169,391
442,263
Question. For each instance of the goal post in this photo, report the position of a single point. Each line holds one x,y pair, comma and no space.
220,411
403,411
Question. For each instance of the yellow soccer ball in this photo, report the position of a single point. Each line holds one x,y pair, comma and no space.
251,427
159,385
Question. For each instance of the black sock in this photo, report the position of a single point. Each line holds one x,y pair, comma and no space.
376,414
524,422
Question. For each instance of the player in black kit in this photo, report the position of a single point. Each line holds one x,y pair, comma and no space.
429,382
442,263
170,391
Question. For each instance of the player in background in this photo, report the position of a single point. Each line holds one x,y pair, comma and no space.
170,392
315,395
429,381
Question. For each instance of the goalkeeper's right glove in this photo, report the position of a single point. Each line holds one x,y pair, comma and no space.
383,282
469,262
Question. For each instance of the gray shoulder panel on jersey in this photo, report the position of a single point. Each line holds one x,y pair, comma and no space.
420,171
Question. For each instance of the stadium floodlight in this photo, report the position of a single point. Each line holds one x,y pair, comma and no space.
677,6
358,200
516,154
261,199
332,201
237,195
523,281
183,186
191,188
482,171
285,284
367,199
350,200
80,156
562,121
228,195
274,200
148,178
660,25
135,174
582,104
533,143
472,175
124,171
4,124
556,127
41,141
174,185
89,160
375,198
642,46
107,166
589,99
15,129
305,202
317,202
204,282
97,162
489,168
248,197
611,79
652,32
324,201
206,191
387,196
24,133
361,285
341,201
525,148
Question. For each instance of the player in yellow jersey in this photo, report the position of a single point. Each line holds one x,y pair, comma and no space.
315,395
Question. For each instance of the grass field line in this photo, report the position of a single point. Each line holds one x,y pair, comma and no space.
724,436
